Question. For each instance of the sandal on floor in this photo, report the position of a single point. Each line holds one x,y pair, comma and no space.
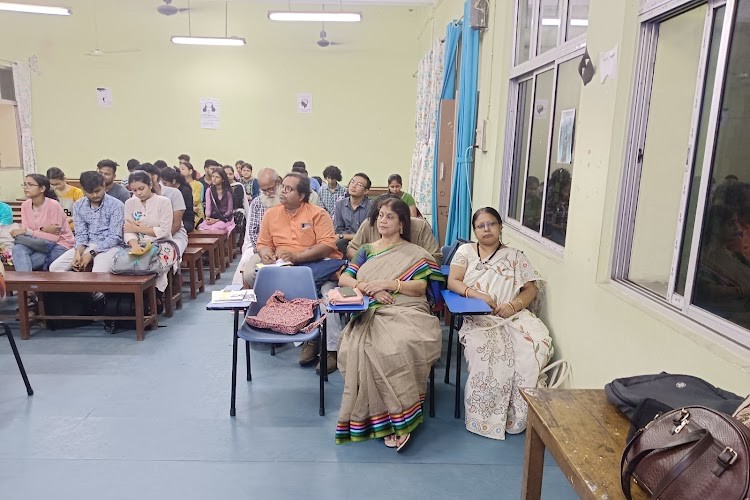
391,441
402,446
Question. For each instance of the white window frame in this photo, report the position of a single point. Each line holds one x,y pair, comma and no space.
18,130
537,63
652,13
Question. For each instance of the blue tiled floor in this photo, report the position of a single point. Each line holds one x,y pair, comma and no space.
118,419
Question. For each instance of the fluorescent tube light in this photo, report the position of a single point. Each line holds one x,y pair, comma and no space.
209,40
35,9
548,21
343,17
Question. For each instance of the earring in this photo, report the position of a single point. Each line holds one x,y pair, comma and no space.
401,231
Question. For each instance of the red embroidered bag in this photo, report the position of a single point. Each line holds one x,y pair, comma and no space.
286,316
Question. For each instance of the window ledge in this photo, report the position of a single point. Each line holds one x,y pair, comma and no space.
542,245
730,351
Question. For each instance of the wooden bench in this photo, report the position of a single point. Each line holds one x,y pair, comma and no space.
192,261
173,293
37,281
225,242
210,247
585,435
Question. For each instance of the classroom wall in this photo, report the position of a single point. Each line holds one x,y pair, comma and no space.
363,90
603,330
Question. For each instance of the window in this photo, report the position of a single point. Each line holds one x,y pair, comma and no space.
684,223
10,152
544,93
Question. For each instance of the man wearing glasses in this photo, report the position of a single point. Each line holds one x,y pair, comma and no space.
350,212
269,183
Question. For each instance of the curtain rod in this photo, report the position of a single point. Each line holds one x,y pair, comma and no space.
11,62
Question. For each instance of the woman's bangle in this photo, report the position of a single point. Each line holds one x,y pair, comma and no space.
466,291
520,302
398,287
512,307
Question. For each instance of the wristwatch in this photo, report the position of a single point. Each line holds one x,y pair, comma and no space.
341,236
93,253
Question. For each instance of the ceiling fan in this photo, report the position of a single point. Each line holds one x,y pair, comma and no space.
167,9
96,51
324,41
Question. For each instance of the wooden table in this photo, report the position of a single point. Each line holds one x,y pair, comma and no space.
586,436
38,281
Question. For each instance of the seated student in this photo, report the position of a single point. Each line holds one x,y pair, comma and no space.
238,191
67,195
179,235
183,158
99,219
394,186
350,212
299,167
170,178
421,232
331,191
219,203
132,166
270,189
6,240
42,218
108,169
386,354
205,179
188,172
149,218
252,188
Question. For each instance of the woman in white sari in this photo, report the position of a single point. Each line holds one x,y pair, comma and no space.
507,349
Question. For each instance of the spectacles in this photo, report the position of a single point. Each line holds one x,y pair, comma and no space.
486,225
269,191
356,183
287,189
29,185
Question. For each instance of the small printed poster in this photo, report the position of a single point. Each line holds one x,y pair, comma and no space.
104,97
541,108
210,116
565,140
304,103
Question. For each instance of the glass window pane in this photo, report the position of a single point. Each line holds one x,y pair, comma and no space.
7,91
662,170
567,95
723,275
578,18
700,149
523,30
549,25
539,143
520,149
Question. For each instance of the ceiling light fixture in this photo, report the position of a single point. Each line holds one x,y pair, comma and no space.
208,40
341,17
226,41
35,9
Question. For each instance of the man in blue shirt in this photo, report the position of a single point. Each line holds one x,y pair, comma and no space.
99,219
350,212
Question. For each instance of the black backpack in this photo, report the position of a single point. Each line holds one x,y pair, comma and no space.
68,304
121,304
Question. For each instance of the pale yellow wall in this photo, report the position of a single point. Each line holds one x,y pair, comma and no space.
600,329
9,152
363,91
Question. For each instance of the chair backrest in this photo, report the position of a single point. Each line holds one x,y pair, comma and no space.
450,250
295,281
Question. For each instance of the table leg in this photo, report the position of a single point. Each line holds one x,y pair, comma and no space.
323,365
533,463
140,313
152,301
211,266
457,410
23,314
247,361
232,409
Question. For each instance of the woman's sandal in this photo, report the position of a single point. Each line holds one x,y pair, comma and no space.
400,447
391,441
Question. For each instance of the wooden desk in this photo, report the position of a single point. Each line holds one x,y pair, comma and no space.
38,281
586,436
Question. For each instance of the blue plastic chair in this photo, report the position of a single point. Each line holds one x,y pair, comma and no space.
296,282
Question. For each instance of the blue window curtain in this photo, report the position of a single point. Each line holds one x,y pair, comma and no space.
459,212
452,35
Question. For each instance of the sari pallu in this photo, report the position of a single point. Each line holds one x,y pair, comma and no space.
386,353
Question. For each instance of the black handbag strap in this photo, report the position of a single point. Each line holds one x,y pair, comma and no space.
701,436
694,454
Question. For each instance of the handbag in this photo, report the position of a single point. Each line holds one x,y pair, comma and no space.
690,453
137,265
286,316
335,297
33,243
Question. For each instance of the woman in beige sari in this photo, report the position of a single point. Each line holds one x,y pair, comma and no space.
385,354
507,349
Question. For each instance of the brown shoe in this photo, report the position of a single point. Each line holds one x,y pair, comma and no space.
309,353
330,363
